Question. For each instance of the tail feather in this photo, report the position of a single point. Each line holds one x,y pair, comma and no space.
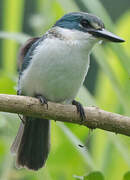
34,145
16,143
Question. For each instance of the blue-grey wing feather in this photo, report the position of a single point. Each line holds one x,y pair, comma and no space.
25,55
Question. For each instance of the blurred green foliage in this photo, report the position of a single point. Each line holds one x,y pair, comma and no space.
107,153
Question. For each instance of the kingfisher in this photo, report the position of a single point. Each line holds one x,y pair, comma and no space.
53,68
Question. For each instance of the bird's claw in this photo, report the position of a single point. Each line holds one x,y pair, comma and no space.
42,100
80,110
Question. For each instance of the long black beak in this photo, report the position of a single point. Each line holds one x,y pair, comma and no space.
104,34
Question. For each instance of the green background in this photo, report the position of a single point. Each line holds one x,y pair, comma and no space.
105,155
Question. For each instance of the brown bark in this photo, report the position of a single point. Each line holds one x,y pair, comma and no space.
95,117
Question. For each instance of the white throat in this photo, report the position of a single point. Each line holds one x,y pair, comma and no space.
82,39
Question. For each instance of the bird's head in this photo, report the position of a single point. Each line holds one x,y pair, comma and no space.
87,25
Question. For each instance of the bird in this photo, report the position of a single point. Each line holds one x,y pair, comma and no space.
53,68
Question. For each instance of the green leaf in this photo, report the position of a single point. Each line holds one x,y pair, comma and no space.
78,177
75,141
127,176
96,175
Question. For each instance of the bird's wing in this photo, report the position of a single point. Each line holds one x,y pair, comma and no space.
25,56
24,50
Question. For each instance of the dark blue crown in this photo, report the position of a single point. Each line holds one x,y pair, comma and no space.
79,21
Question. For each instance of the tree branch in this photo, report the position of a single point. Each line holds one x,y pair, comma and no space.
96,118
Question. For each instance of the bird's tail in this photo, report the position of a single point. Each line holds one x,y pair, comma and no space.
32,143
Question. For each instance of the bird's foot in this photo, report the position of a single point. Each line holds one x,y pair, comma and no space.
42,100
80,110
19,92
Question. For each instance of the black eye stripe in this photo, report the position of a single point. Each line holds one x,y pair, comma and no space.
85,23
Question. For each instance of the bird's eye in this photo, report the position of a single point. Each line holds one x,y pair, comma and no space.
84,23
91,24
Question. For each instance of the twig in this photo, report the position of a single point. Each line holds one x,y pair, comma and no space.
96,118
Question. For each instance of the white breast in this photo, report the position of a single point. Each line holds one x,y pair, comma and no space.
57,70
